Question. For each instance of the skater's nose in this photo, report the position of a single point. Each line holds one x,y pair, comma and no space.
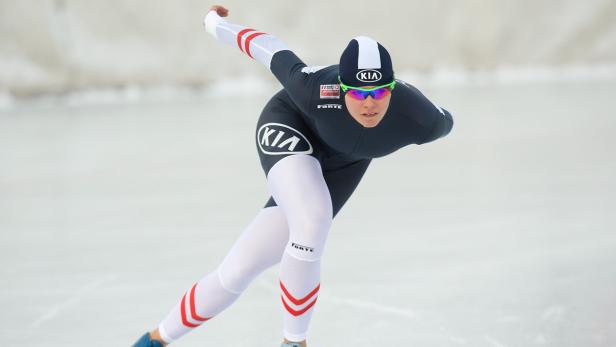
369,103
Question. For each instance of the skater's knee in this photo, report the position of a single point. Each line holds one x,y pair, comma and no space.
308,242
308,232
312,222
235,278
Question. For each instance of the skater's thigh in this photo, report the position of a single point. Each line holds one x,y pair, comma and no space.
290,154
297,185
282,132
343,180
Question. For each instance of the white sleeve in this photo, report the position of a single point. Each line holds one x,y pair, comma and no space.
256,44
211,20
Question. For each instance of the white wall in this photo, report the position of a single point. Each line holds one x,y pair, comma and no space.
60,45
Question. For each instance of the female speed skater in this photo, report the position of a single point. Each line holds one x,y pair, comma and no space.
315,139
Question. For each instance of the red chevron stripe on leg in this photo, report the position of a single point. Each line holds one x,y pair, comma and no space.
298,312
193,310
239,38
183,311
301,300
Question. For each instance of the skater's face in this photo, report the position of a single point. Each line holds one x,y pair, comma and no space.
368,112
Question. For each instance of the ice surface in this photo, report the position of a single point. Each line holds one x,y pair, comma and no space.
501,234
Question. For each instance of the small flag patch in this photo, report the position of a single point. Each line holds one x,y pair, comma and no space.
330,91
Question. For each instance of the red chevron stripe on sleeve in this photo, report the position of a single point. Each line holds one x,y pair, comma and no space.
239,38
250,38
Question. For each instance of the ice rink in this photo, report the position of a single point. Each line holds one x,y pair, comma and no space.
500,235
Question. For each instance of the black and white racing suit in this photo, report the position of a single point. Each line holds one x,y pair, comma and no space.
314,154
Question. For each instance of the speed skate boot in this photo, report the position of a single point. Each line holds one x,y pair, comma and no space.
146,341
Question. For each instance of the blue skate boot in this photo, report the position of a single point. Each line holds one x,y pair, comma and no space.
145,341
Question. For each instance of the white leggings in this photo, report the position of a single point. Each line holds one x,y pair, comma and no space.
292,233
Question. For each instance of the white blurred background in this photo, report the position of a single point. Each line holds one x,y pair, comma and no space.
56,46
128,168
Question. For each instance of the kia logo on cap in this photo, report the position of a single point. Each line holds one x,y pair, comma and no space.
368,76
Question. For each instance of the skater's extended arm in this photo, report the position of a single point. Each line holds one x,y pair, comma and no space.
433,122
266,49
256,44
442,122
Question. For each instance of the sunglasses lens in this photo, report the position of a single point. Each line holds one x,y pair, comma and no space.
357,94
380,93
377,94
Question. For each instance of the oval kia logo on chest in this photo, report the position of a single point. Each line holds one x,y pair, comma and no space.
369,75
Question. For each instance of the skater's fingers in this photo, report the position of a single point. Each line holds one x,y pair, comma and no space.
221,10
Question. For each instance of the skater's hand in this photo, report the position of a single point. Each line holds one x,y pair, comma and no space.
213,17
220,10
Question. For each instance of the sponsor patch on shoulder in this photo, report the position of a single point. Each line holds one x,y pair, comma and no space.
280,139
330,91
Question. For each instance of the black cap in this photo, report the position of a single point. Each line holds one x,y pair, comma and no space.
364,62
